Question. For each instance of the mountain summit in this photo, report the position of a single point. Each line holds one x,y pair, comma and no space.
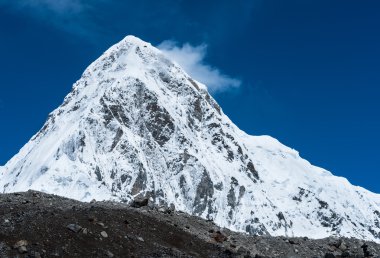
136,124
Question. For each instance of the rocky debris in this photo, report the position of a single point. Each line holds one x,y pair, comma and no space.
369,251
4,248
20,243
22,249
74,227
109,254
34,254
101,224
21,246
139,202
46,229
219,237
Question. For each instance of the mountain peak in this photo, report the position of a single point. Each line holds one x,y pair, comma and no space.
131,41
136,124
135,40
133,57
131,47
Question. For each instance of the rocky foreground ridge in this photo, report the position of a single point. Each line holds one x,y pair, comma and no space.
35,224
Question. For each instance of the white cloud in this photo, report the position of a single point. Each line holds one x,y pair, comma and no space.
191,59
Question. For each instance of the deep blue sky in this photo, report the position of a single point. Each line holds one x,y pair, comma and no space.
309,69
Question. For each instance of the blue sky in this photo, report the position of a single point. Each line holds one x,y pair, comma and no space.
305,72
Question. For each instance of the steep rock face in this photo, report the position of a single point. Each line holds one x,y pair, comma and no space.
137,124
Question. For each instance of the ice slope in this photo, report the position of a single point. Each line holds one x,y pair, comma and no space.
136,124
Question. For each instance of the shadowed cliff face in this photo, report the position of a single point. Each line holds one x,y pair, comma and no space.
135,124
35,224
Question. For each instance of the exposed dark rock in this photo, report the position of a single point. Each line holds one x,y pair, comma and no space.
256,229
197,111
119,134
323,204
159,123
107,114
98,174
231,198
165,77
140,201
241,192
252,170
193,83
140,182
213,103
369,250
218,186
204,193
74,227
280,216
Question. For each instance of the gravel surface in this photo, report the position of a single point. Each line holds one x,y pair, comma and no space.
34,224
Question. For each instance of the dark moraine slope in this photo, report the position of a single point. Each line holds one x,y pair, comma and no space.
35,224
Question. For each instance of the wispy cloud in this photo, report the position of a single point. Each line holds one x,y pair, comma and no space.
191,59
67,15
56,6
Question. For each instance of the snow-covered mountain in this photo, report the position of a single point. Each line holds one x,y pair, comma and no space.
136,124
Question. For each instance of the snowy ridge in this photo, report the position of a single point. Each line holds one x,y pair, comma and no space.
136,124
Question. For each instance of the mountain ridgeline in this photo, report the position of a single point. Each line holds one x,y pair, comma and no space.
135,124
